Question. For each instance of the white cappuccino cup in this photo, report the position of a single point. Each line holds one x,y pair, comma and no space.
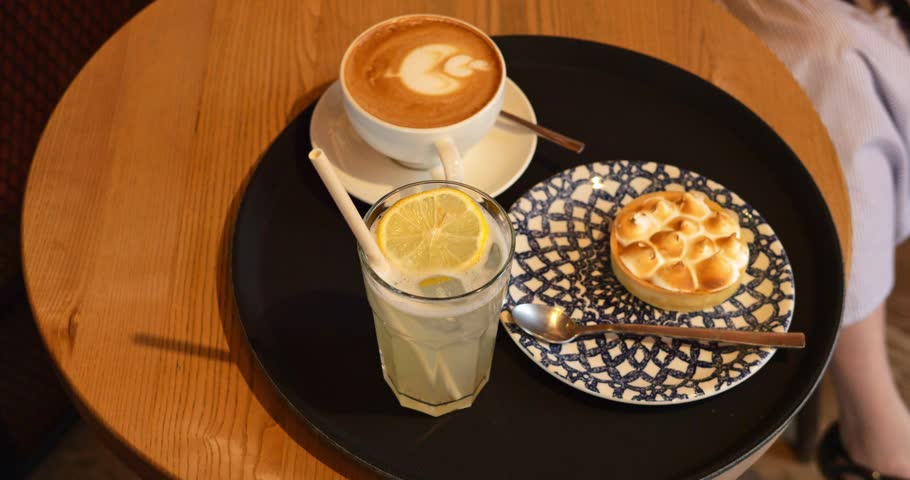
422,69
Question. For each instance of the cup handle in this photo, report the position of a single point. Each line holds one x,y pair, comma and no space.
451,159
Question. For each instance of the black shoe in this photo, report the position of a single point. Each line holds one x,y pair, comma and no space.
836,464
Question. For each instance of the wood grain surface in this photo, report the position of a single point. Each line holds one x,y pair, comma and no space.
137,177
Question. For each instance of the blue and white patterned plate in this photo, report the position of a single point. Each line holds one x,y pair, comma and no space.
562,257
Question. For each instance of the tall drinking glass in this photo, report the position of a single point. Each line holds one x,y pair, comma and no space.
436,340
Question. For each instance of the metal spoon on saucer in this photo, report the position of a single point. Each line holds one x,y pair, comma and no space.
545,133
551,324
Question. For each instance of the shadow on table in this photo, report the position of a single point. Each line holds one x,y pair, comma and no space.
303,103
254,376
180,346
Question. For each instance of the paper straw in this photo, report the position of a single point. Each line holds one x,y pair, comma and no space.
449,379
344,203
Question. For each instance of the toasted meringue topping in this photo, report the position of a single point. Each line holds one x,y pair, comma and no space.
681,241
693,206
640,258
715,272
700,248
661,209
685,226
735,249
670,244
675,276
721,224
636,225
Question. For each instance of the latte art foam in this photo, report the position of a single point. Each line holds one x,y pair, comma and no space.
422,72
437,69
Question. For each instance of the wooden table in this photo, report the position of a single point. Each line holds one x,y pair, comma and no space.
136,181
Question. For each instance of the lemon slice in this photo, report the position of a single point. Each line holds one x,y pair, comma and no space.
437,230
434,281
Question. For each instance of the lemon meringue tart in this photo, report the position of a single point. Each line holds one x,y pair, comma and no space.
678,250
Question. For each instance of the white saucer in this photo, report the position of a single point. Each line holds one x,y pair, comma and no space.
492,165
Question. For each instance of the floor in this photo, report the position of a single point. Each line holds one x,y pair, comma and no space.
80,454
780,462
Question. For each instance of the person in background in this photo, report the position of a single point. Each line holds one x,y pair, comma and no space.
853,61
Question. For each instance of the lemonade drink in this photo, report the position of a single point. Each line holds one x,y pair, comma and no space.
436,308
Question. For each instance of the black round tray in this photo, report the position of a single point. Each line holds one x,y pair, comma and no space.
301,300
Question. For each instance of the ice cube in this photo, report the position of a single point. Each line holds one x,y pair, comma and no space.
494,259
